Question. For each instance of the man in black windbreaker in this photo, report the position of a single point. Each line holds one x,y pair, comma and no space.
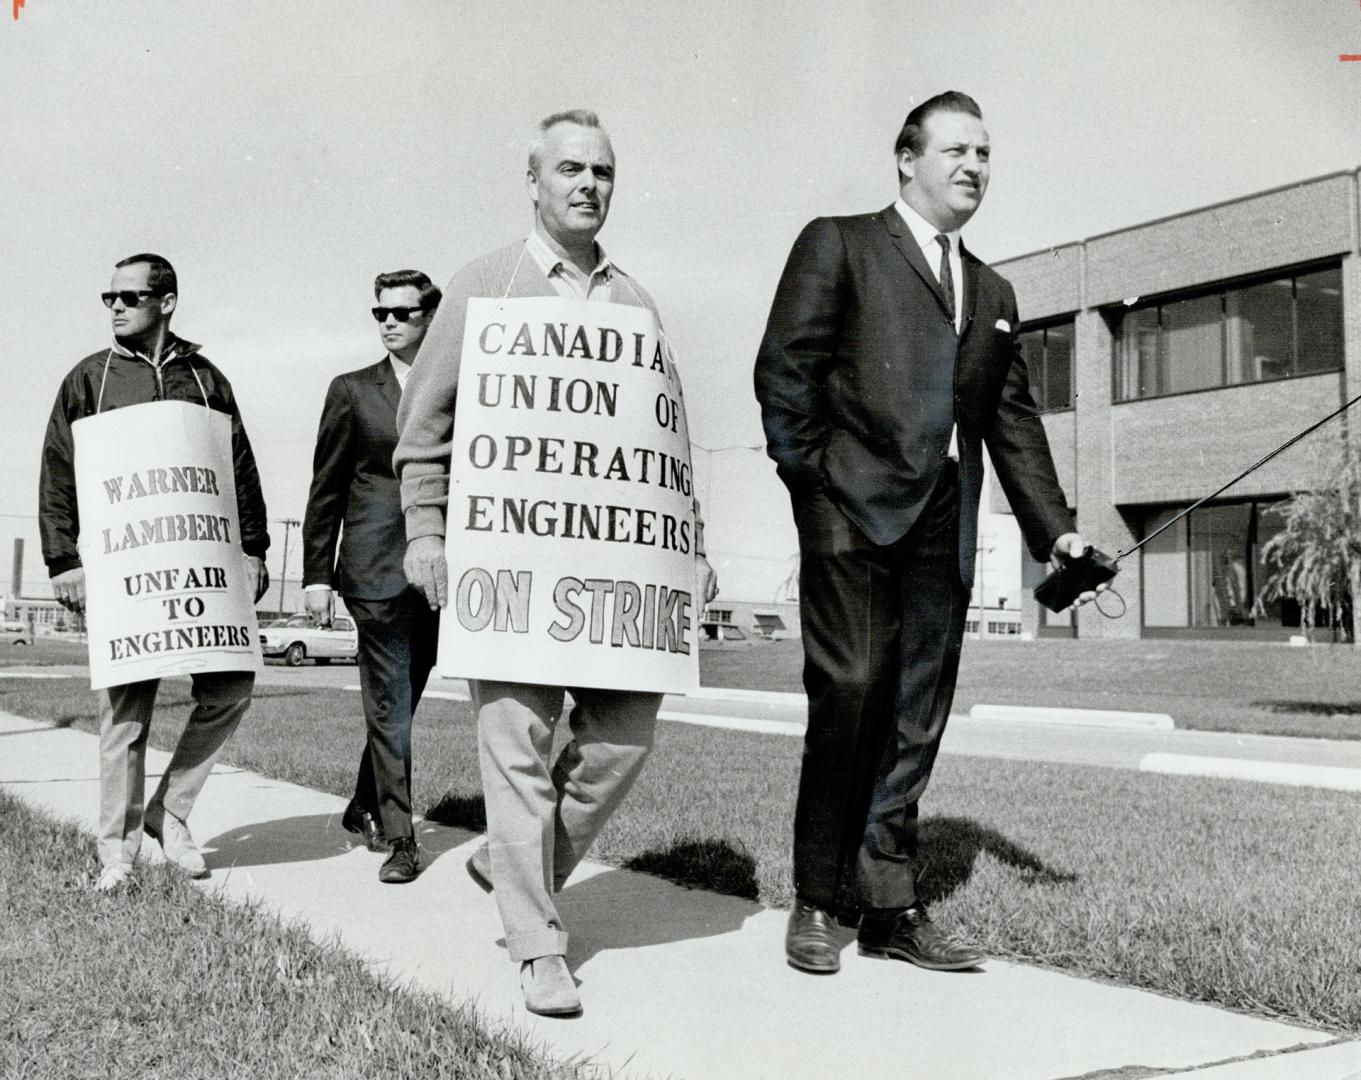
146,363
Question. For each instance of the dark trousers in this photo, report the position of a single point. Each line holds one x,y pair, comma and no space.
397,641
882,629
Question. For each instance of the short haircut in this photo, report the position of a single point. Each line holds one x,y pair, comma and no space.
912,136
160,275
401,279
582,117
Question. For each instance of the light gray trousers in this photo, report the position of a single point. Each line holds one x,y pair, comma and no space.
221,699
541,819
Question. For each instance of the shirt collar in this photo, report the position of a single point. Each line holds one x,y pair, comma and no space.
550,261
922,230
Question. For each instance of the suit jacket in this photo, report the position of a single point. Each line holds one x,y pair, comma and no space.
861,375
353,486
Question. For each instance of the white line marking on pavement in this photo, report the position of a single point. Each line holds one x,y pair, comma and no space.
1267,772
32,675
734,723
756,697
1080,717
442,695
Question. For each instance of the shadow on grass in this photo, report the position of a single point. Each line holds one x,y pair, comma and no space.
1310,708
306,838
949,848
459,812
713,865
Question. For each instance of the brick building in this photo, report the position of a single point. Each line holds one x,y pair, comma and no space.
1170,356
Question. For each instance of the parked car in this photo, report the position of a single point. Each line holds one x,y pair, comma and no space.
13,632
298,638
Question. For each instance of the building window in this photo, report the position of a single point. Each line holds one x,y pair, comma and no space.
1048,352
1206,571
717,615
1280,328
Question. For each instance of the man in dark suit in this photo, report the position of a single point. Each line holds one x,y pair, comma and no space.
355,498
889,359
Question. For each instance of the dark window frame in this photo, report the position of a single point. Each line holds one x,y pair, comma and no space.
1044,326
1117,314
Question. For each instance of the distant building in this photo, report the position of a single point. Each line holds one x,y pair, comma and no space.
762,621
1170,356
42,615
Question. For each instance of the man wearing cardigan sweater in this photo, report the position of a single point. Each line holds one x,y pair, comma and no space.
541,816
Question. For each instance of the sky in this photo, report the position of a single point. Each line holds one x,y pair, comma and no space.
281,155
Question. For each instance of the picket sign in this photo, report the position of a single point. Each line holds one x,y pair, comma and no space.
570,532
167,586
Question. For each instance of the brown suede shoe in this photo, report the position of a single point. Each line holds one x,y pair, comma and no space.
549,987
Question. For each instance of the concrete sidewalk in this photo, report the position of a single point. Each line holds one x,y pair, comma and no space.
676,982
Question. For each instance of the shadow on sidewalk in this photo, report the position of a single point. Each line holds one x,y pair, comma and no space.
308,838
622,909
949,848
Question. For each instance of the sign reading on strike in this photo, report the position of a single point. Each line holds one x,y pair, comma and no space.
570,533
166,582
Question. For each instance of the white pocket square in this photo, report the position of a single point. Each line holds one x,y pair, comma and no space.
1004,326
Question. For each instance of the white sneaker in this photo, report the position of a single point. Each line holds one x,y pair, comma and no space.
112,876
176,841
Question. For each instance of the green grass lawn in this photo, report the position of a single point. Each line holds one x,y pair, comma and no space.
1259,687
43,653
1235,893
173,983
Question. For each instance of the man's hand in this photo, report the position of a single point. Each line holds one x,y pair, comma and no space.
1071,546
321,605
255,568
69,589
707,580
427,570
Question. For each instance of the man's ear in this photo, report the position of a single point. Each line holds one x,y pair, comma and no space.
905,164
532,186
168,302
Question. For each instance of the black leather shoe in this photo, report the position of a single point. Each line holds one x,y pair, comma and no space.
810,942
911,935
362,823
403,864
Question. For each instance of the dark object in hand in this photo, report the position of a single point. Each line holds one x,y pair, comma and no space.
1075,577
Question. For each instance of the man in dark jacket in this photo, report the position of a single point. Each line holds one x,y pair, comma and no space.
146,363
890,360
353,486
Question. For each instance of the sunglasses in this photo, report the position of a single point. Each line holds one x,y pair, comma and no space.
401,314
130,298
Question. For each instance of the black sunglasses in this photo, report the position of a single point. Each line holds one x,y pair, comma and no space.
401,314
131,298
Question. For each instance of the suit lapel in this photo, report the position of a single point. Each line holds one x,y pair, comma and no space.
386,379
907,246
972,278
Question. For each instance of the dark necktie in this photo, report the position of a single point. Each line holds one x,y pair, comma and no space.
947,279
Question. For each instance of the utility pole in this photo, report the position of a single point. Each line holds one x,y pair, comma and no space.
288,524
981,554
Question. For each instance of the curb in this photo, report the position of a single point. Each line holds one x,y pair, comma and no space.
1333,777
1110,718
